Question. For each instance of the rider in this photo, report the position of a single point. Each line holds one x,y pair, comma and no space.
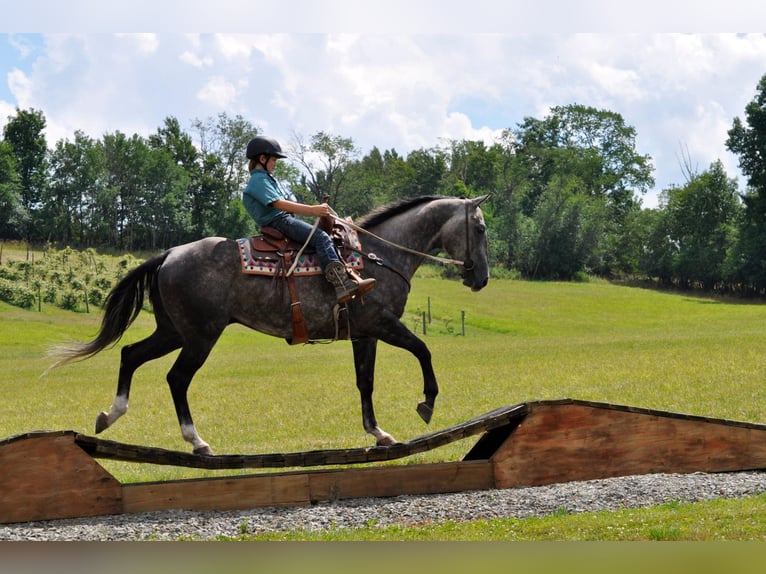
270,205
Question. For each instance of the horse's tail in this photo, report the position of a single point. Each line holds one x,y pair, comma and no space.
121,307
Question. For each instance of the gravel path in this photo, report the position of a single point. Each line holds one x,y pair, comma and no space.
608,494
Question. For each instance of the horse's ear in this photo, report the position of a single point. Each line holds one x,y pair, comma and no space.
477,201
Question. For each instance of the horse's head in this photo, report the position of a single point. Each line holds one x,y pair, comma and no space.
467,241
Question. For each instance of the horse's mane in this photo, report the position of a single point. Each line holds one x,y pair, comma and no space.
386,212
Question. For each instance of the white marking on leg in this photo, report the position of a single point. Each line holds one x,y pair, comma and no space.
382,438
190,435
119,408
105,420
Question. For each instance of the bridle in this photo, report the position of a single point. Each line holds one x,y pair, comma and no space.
467,264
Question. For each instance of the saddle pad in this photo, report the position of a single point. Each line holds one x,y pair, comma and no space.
256,262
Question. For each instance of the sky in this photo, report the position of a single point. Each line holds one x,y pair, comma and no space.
394,75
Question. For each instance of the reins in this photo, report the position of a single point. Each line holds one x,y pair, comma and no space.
303,247
436,258
467,265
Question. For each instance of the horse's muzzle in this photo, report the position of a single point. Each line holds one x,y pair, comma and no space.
475,285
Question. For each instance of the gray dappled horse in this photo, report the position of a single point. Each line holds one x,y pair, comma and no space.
197,289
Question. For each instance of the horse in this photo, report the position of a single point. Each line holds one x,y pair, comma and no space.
197,289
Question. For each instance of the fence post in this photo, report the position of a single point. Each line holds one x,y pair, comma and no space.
462,322
424,322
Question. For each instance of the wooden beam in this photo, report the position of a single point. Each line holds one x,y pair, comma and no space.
49,475
100,448
306,487
561,441
45,476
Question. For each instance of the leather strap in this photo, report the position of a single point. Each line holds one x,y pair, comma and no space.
300,331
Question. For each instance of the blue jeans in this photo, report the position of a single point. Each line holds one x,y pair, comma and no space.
298,230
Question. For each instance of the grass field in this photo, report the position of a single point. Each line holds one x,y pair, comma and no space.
524,341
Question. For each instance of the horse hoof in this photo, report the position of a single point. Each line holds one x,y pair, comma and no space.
425,412
387,440
204,451
102,422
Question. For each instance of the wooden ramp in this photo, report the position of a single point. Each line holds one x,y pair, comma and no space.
500,418
51,475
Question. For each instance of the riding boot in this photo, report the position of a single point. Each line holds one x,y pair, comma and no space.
364,284
345,287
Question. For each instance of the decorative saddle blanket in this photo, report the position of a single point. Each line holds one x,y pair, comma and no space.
273,254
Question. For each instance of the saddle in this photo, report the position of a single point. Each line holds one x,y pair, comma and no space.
271,253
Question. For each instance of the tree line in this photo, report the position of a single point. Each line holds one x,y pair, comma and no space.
566,192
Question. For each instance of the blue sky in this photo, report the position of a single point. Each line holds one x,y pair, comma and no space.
403,75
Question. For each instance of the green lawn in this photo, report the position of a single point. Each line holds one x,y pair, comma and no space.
524,341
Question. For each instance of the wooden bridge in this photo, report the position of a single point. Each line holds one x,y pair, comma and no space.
50,475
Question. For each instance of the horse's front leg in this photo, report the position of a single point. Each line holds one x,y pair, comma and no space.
364,363
398,335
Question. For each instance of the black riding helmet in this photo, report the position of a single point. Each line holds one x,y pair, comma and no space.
264,145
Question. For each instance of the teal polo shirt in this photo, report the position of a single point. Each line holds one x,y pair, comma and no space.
260,192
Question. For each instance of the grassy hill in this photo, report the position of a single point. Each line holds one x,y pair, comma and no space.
523,341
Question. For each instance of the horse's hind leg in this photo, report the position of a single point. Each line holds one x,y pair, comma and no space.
365,351
133,356
179,378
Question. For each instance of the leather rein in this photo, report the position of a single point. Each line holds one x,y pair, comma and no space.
466,265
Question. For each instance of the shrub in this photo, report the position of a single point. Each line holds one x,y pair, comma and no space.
50,294
69,300
16,294
96,297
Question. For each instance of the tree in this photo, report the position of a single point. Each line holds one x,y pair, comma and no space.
218,197
188,203
427,169
659,250
324,159
367,186
748,140
701,223
561,237
178,143
226,138
24,132
473,168
128,162
12,213
594,146
77,175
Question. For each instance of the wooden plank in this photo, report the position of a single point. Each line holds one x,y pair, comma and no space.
45,475
308,487
435,478
218,494
100,448
561,442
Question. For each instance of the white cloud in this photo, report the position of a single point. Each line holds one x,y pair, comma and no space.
218,91
21,87
402,91
196,61
7,110
144,43
21,45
